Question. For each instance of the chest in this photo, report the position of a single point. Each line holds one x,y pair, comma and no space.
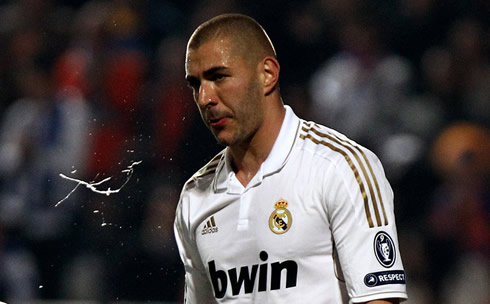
283,217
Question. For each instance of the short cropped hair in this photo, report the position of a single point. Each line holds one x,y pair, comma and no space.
247,36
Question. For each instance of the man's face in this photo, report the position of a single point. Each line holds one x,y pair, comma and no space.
227,91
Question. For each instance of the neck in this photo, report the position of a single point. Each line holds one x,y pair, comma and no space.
249,156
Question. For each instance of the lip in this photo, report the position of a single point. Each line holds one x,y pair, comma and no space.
218,122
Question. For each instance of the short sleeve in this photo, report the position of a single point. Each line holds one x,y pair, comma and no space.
360,210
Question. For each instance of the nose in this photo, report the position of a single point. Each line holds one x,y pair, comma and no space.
206,95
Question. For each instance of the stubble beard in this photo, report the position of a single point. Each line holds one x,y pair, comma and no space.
246,120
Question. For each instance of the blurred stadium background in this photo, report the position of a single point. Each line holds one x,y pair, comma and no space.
88,87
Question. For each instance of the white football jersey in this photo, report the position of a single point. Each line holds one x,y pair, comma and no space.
314,225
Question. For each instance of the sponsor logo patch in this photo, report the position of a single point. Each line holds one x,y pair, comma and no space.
384,249
247,279
280,220
384,278
209,227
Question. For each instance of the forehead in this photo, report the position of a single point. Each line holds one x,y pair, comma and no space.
211,54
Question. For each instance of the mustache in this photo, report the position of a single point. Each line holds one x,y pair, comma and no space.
212,114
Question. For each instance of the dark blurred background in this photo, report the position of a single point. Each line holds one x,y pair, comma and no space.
89,87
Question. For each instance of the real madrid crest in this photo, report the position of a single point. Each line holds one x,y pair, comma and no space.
280,220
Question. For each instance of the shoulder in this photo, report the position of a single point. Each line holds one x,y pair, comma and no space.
196,187
340,151
205,175
328,143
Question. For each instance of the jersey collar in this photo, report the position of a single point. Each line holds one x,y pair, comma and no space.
225,177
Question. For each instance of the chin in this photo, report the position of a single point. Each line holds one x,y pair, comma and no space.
225,140
222,140
223,143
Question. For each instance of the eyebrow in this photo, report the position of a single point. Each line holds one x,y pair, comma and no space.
207,73
214,70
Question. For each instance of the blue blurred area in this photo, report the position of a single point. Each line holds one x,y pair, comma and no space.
89,87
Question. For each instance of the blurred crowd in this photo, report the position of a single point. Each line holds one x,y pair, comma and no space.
87,88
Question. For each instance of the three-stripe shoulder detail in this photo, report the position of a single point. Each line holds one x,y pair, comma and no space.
358,163
210,167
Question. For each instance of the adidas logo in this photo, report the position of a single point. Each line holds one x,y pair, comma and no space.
210,226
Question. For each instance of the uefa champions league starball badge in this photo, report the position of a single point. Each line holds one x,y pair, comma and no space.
384,249
280,220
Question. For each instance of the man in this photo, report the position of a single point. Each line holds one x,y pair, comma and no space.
290,211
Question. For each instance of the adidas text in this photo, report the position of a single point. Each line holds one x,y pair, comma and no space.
207,230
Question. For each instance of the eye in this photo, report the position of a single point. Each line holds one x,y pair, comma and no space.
193,83
218,77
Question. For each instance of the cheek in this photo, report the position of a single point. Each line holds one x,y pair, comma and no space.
254,96
232,89
202,115
195,95
242,96
251,104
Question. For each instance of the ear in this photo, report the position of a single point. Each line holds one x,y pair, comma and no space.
270,72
